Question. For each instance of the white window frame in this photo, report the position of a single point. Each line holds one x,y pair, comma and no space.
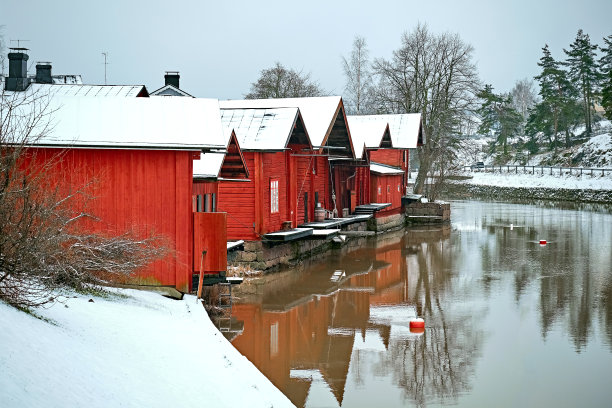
274,196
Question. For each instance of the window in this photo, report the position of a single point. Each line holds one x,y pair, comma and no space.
388,189
379,190
398,188
273,196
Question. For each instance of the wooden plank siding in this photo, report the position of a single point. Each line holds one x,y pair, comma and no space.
238,199
386,189
209,233
141,192
393,157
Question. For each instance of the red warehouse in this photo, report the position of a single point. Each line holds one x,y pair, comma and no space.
136,157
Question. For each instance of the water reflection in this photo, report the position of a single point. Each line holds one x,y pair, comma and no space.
336,332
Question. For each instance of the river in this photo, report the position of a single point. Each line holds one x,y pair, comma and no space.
509,321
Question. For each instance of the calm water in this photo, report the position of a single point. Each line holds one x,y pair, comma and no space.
508,322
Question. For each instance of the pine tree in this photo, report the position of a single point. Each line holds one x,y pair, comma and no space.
498,116
583,71
557,94
605,68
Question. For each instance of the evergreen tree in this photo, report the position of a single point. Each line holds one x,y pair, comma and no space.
498,116
605,68
557,94
583,71
606,95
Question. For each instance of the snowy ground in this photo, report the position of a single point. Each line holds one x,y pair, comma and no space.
135,349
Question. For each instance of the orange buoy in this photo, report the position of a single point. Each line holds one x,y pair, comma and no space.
417,323
542,242
417,330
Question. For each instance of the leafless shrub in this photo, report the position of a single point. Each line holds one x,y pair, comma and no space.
44,242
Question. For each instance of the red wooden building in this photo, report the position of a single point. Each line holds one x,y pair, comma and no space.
225,165
136,154
325,121
278,155
406,133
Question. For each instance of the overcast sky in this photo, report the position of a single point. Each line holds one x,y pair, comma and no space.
220,46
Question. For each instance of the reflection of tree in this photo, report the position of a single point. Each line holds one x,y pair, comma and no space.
439,364
563,271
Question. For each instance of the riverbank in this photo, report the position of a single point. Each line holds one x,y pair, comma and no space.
125,348
509,186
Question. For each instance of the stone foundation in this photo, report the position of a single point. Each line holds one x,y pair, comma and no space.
266,256
427,213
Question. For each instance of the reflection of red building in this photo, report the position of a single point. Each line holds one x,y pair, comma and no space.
317,332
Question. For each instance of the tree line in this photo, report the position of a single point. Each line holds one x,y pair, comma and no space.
563,110
435,74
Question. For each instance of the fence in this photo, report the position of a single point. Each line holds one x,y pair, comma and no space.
551,170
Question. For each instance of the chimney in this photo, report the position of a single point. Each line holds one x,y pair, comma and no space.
43,73
172,78
18,70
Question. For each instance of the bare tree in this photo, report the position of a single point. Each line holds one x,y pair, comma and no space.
358,72
281,82
2,50
434,75
44,245
524,97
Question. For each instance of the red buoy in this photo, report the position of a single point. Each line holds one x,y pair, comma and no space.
417,323
417,330
542,242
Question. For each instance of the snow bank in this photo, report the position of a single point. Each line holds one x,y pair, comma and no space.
572,182
139,350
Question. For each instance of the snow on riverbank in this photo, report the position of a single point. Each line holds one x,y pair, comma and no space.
572,182
133,349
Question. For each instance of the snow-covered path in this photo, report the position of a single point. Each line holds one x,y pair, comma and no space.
137,349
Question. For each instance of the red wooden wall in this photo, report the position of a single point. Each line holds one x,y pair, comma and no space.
393,157
138,191
384,189
209,233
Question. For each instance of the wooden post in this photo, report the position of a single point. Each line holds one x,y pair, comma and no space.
201,280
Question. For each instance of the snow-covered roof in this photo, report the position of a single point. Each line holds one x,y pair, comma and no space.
126,91
260,129
169,90
366,133
209,165
404,128
133,123
319,113
384,169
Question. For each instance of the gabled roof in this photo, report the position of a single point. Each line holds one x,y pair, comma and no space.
320,115
126,91
384,169
170,90
123,123
406,128
264,129
225,164
368,134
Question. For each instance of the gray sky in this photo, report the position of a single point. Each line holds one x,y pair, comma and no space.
219,46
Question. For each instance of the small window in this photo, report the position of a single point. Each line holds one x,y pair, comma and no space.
398,188
379,190
388,189
273,196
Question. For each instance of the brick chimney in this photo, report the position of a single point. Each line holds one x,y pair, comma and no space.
172,78
43,73
18,70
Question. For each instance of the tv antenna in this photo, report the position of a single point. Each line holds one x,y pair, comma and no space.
19,48
105,53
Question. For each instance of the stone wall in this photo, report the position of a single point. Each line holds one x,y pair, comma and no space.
388,223
471,191
427,213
